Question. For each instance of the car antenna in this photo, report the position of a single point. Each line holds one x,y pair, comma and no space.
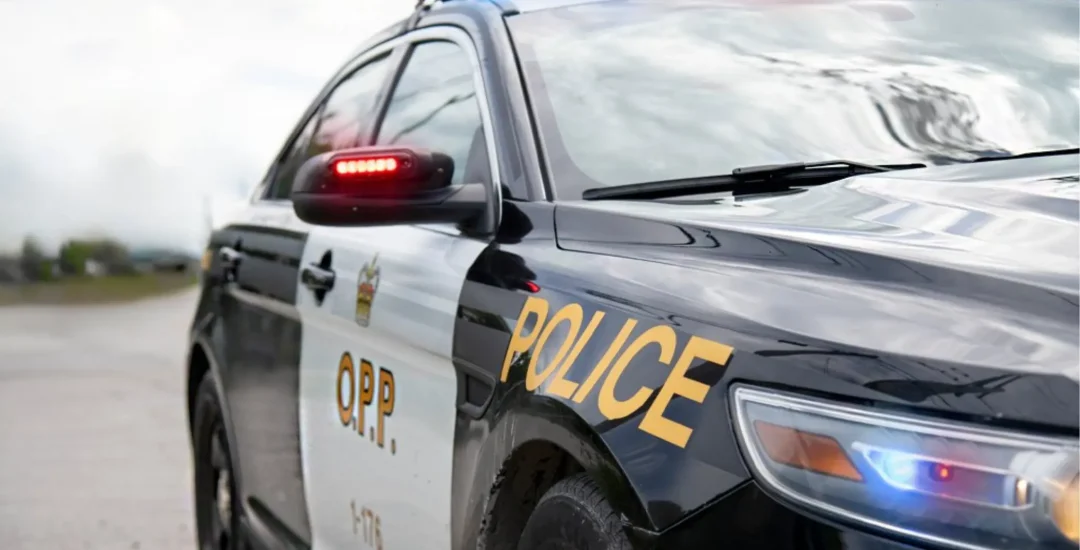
418,11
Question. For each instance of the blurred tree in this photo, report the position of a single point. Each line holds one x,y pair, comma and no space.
73,256
114,256
45,271
32,259
110,254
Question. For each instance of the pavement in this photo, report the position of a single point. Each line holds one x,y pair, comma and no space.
94,451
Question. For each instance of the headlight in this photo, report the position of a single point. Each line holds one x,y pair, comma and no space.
949,484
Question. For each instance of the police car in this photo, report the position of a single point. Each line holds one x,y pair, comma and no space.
658,274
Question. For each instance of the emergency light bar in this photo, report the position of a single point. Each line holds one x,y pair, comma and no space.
381,165
376,171
384,168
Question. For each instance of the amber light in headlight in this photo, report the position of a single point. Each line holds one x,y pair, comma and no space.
813,452
949,484
1066,511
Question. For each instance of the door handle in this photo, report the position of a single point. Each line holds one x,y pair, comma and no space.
230,260
317,278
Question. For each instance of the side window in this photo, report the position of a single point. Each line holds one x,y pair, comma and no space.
434,106
283,177
346,109
335,126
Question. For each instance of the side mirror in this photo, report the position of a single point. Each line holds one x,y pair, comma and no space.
384,186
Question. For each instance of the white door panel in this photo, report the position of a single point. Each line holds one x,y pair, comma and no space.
405,483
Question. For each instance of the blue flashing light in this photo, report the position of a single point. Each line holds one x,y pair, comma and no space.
899,469
902,470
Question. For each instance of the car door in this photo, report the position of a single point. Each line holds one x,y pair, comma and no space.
261,249
378,388
259,253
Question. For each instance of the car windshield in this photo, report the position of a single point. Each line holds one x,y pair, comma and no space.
634,91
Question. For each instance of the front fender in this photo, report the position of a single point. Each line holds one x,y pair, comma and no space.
613,380
516,456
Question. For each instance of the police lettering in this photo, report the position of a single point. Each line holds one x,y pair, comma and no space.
607,371
353,382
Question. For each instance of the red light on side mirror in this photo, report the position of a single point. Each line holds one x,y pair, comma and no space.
387,185
379,165
384,172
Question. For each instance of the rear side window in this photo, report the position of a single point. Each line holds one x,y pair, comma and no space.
434,106
336,125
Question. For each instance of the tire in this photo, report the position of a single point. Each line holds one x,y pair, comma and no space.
217,510
574,515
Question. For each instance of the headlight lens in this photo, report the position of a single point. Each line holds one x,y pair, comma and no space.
950,484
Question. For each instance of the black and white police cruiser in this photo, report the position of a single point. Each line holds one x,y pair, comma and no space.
794,275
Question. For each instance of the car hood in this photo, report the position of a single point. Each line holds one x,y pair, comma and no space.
1012,219
983,260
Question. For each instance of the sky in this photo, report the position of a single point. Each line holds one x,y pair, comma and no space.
136,118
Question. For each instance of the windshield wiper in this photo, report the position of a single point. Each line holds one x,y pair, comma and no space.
748,179
1048,153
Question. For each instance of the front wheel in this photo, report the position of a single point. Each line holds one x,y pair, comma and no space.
574,515
217,515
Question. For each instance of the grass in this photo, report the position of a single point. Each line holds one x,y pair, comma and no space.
95,290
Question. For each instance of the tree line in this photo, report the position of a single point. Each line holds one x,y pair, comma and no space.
74,258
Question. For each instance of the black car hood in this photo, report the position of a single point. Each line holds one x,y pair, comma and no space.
974,264
1015,219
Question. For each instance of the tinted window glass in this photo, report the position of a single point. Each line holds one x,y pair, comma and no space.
283,177
336,126
627,92
434,106
348,108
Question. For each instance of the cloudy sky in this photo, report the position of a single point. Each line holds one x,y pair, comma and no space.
126,117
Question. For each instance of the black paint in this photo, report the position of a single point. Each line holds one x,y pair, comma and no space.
252,332
852,314
866,291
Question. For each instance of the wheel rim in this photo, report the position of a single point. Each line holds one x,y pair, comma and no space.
215,493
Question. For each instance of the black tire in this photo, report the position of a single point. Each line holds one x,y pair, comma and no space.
574,515
217,527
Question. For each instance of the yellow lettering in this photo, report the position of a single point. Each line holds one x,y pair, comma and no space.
601,366
572,314
678,384
345,366
560,386
386,402
367,392
519,343
610,406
